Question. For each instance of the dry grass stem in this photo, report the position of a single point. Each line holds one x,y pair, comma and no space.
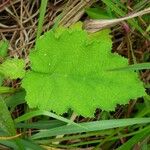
96,25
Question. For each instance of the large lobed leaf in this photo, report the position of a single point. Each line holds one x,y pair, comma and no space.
69,69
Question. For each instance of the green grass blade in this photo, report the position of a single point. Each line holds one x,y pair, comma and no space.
120,4
56,21
9,144
49,124
114,7
30,144
27,144
141,4
45,113
135,139
3,48
122,13
148,29
139,66
3,53
91,126
15,99
4,90
41,17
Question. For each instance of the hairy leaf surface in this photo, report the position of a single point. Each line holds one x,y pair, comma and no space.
69,69
13,68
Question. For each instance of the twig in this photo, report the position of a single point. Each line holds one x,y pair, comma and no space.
96,25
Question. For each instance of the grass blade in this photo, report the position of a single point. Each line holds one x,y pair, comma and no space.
49,124
135,139
41,17
45,113
133,67
3,48
121,13
91,126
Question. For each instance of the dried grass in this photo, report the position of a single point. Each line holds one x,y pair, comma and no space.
19,19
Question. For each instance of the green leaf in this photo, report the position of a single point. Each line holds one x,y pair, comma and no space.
3,48
69,70
6,122
7,126
13,68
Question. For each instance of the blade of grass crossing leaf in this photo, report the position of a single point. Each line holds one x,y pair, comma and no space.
91,126
45,113
41,17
